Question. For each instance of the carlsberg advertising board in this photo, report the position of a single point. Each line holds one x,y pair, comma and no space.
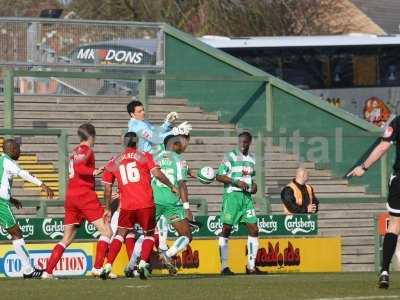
37,229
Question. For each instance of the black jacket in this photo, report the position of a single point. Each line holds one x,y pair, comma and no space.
288,199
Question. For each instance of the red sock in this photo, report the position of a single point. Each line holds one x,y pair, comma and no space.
114,248
156,240
55,257
101,251
147,248
129,244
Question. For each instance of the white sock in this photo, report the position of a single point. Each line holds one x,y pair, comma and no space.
162,225
23,255
223,251
137,250
252,248
114,222
180,244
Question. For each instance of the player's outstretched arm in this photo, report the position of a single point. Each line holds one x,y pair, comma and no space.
157,173
48,191
98,171
375,155
192,173
169,121
17,171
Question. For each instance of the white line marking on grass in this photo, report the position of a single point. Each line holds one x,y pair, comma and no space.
358,298
137,286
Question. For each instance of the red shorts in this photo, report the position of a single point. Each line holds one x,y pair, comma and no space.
145,217
82,207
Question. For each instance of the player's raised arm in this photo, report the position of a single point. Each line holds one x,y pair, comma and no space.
157,173
375,155
32,179
12,150
390,136
169,121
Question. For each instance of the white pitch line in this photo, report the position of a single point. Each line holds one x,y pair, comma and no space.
137,286
358,298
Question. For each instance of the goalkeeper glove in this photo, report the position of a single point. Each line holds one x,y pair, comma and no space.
171,117
182,129
185,127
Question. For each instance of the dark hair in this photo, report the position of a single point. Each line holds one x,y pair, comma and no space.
246,134
130,139
85,131
132,105
169,137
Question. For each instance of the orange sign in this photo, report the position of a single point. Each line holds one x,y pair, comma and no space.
383,223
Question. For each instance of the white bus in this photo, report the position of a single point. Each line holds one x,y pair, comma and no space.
351,67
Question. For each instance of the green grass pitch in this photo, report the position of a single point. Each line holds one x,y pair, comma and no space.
339,286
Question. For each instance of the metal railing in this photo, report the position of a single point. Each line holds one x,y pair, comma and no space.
44,42
81,45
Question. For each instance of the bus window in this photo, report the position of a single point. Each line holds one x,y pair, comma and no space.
389,66
303,67
364,70
264,59
341,69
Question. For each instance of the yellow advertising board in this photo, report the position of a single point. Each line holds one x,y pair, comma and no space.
274,255
308,254
77,259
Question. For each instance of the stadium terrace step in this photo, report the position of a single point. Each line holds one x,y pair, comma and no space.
357,242
114,127
324,189
29,99
356,250
343,223
348,232
312,182
110,107
288,165
357,259
283,172
103,115
352,267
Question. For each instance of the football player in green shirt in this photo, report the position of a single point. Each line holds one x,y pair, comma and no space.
176,210
236,172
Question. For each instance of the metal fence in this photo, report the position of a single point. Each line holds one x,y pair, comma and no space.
81,45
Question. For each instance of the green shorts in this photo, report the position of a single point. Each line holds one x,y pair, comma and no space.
173,213
238,207
7,219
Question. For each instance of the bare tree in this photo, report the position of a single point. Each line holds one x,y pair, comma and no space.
218,17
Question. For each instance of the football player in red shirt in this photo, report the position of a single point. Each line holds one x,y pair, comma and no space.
81,202
133,170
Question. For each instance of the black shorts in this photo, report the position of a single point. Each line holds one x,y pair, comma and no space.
393,201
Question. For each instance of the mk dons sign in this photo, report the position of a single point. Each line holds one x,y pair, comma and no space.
112,55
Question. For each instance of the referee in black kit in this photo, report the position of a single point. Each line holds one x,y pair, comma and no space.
390,136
